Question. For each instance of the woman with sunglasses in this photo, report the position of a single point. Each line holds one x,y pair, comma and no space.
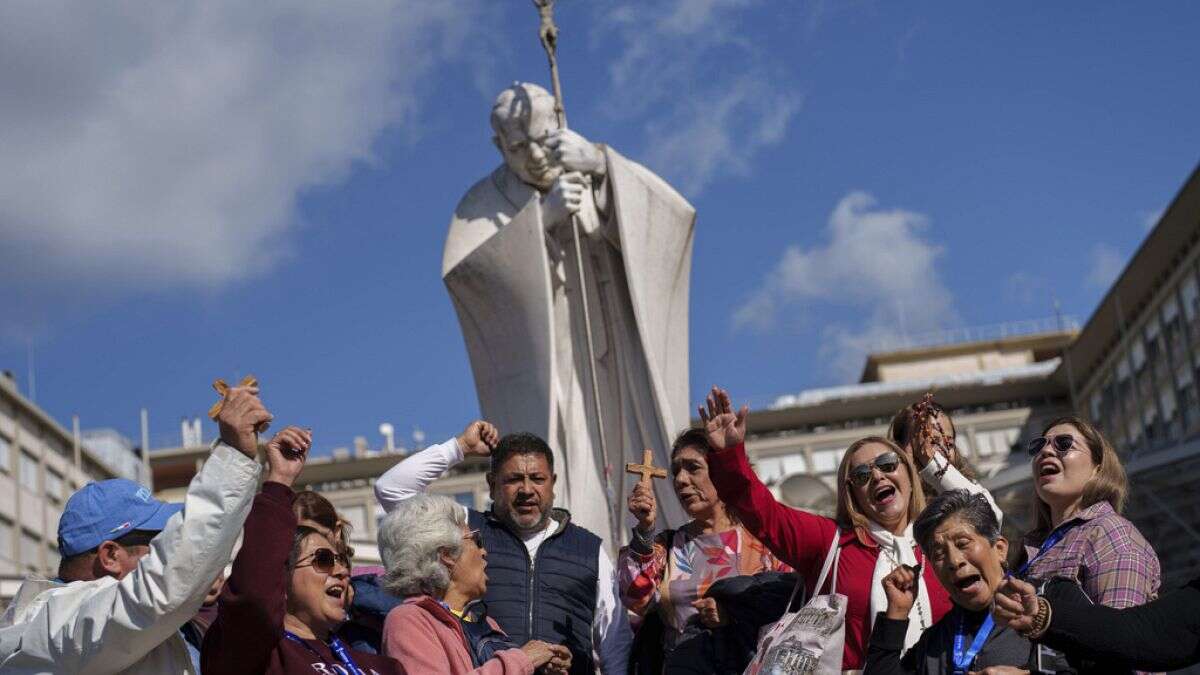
879,497
287,595
438,565
1079,534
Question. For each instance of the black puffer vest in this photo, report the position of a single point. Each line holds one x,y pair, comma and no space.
552,597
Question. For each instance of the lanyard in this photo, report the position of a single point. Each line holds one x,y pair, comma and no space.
963,660
1055,537
335,645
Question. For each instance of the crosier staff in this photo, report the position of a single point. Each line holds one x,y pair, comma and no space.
548,34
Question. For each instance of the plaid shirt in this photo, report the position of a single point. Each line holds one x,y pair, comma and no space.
1105,554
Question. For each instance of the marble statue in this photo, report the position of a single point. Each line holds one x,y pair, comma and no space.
511,270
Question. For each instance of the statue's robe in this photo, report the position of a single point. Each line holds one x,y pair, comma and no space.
515,287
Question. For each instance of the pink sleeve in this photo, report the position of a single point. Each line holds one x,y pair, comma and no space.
797,538
409,637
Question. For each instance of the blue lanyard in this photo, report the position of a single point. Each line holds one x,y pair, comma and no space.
1055,537
335,645
963,660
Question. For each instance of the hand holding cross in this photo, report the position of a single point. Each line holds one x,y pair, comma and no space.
641,500
240,415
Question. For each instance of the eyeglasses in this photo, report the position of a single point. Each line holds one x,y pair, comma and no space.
475,536
323,560
1060,443
886,463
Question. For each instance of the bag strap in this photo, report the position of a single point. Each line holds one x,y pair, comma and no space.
830,561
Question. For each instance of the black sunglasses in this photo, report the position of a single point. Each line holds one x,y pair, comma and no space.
324,560
1060,443
861,474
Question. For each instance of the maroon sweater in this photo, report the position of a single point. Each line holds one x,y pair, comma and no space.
802,539
247,636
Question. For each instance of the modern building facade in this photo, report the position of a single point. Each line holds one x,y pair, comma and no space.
41,464
1133,371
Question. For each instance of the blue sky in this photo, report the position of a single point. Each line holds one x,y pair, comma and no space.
192,193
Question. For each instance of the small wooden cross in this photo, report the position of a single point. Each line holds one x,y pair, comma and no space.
222,388
646,469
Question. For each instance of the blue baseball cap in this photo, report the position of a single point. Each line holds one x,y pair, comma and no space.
108,510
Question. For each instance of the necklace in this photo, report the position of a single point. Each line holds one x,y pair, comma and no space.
919,606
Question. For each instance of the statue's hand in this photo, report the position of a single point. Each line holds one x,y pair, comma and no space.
575,153
563,198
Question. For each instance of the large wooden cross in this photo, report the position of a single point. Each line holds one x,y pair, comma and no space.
646,469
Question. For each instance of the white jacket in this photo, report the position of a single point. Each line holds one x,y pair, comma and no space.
132,625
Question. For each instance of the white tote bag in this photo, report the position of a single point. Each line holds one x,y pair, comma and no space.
808,641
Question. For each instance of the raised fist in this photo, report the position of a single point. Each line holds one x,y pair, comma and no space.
643,506
240,416
563,199
479,438
901,589
286,453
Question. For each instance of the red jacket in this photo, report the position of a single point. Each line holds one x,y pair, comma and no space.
802,540
247,636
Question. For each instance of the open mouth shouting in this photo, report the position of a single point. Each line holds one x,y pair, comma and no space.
969,584
1047,469
883,494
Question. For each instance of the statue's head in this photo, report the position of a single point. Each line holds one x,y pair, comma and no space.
522,117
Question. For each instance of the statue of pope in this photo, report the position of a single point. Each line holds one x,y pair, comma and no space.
511,270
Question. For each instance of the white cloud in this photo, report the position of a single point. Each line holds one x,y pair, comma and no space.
876,263
162,144
1106,265
707,98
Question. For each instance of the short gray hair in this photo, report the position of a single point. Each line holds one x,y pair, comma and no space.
411,539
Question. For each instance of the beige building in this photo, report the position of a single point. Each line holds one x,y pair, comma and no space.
41,464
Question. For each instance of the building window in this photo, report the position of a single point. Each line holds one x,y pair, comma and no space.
29,472
5,453
356,515
31,550
52,559
1189,293
6,540
54,486
826,461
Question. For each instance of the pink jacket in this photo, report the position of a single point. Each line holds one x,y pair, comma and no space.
426,638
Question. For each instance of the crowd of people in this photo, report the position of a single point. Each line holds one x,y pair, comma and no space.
910,575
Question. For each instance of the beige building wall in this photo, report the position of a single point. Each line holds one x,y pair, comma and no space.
40,467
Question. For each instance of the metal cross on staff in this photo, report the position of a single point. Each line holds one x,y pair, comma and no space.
548,34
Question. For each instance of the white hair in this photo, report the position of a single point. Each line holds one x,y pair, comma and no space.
411,540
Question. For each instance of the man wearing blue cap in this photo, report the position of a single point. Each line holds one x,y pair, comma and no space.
135,569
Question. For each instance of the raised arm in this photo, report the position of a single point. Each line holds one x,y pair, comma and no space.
249,622
797,538
941,474
119,622
414,475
